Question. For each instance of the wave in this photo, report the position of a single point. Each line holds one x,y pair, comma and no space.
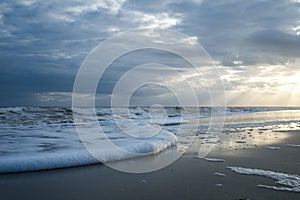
35,138
30,116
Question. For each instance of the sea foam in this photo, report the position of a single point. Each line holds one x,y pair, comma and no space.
289,182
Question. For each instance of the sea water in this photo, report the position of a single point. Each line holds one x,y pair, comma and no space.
38,138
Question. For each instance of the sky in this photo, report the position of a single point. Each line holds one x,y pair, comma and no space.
255,44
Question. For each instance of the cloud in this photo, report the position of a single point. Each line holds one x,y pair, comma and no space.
44,42
224,27
113,6
145,20
276,42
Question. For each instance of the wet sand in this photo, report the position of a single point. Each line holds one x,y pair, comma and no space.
186,178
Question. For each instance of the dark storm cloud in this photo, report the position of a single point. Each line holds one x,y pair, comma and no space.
42,43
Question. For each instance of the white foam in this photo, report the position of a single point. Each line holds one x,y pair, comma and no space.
169,122
293,145
214,159
219,174
273,148
57,147
35,161
292,181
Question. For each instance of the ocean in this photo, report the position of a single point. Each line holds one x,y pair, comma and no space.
41,138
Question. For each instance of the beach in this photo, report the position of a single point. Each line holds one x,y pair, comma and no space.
150,100
187,178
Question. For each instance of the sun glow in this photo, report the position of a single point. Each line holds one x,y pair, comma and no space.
295,80
294,92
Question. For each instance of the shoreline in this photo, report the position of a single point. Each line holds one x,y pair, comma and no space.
186,178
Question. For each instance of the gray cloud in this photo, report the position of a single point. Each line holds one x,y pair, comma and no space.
44,42
276,42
